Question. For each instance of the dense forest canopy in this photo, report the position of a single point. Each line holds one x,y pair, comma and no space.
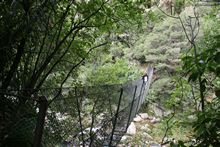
55,44
43,43
38,37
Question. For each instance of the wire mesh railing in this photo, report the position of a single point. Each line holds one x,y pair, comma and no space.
80,116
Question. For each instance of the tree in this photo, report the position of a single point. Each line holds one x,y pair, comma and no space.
44,42
201,68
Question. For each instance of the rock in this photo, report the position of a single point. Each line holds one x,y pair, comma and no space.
147,125
155,145
147,142
147,136
144,115
155,120
131,129
168,112
166,139
138,118
158,119
145,128
150,117
158,110
125,137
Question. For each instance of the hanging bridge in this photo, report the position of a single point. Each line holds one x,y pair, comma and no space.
82,116
99,115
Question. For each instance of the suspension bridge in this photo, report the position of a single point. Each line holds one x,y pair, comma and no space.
101,114
82,116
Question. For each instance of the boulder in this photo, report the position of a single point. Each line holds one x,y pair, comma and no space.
144,115
155,120
131,129
138,119
125,137
150,117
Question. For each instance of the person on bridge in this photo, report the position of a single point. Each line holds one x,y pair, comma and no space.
148,74
145,77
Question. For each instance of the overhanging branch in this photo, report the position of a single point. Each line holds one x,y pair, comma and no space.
73,67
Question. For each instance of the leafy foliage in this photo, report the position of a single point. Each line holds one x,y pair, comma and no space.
117,73
202,66
178,6
43,43
207,125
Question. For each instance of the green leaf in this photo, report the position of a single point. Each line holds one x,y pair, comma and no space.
211,68
181,143
217,57
217,71
217,92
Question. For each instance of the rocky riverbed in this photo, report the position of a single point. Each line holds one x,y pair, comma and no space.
139,132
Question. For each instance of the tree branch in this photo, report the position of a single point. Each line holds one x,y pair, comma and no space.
58,45
58,61
15,64
168,127
73,67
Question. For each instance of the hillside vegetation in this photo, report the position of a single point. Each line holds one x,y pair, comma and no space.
50,48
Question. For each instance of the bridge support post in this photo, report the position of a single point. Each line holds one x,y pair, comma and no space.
116,117
79,115
139,98
132,103
40,121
